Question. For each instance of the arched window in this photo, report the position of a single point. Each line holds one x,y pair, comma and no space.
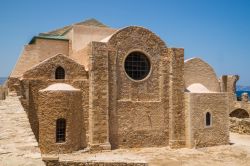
60,130
60,73
208,119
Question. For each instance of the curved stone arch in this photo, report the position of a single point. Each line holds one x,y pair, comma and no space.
116,38
198,71
136,39
239,113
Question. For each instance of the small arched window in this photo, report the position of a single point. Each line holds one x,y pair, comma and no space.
208,119
60,73
60,130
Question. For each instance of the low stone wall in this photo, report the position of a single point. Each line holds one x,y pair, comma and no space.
13,84
241,126
3,92
75,163
52,160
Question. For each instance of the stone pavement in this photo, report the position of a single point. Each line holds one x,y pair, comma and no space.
18,146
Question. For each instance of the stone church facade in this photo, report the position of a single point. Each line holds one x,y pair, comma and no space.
88,86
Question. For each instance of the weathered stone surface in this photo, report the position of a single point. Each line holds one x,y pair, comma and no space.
54,105
16,135
75,163
47,68
18,145
3,92
198,71
111,110
139,110
98,97
241,126
197,105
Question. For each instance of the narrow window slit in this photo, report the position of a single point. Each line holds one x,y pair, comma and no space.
60,130
208,119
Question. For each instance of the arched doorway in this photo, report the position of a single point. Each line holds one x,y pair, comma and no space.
239,113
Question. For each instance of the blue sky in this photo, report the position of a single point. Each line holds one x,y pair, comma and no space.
217,31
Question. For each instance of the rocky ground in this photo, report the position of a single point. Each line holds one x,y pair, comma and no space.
237,154
18,147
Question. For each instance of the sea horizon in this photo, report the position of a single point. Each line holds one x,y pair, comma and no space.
2,80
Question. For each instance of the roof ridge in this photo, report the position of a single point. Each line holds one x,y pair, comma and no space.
64,30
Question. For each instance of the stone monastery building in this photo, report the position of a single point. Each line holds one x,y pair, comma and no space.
89,86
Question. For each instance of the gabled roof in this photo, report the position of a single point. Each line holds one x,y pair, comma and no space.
47,37
59,34
62,31
46,67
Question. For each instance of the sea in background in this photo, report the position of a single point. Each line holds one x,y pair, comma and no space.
242,89
238,93
2,80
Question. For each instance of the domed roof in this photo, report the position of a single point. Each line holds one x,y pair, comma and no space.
197,71
197,88
60,87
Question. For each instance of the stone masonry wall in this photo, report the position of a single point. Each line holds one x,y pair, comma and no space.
198,104
3,92
32,55
43,75
98,97
228,83
241,126
31,101
177,109
138,110
56,104
198,71
46,69
14,85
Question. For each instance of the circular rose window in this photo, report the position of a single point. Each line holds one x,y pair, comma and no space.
137,65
